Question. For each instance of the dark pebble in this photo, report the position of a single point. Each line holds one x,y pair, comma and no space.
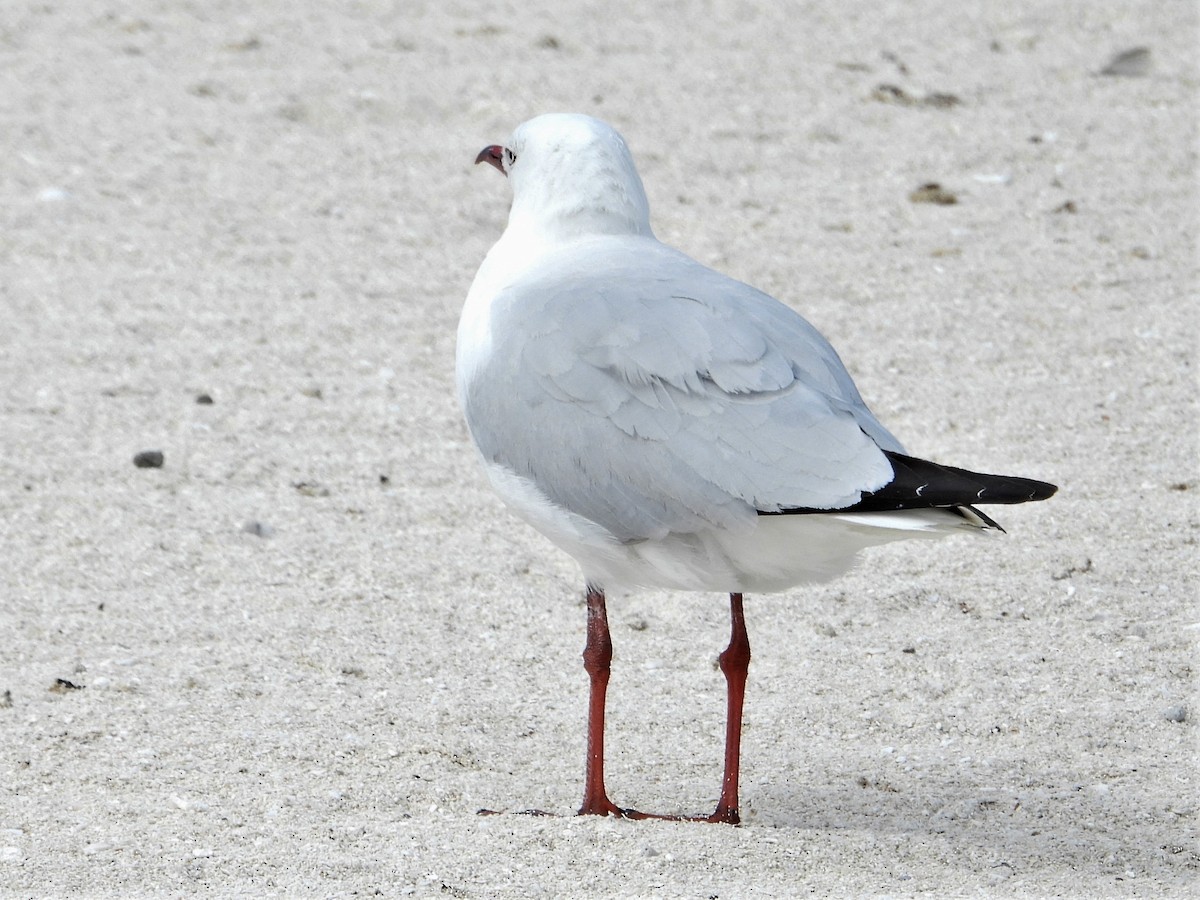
1130,63
933,192
149,459
204,399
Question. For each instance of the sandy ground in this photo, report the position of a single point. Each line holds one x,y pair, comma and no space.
299,656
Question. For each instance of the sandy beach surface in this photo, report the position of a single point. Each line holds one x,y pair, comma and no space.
297,657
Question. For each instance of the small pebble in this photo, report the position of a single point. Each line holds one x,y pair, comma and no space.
149,459
204,399
890,93
1176,713
258,529
1130,63
940,100
1002,872
932,192
311,488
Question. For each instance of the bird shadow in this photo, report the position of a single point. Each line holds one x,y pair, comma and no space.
1071,825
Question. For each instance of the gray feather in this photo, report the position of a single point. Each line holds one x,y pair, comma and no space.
650,394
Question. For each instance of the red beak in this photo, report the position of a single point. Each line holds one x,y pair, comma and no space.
493,155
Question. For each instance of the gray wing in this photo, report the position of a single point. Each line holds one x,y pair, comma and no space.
649,394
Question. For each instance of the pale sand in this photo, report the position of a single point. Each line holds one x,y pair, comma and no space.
278,208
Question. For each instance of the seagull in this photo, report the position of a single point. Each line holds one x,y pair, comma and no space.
668,426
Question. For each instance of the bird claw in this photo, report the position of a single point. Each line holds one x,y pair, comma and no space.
721,816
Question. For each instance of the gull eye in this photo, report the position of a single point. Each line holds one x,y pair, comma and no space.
509,157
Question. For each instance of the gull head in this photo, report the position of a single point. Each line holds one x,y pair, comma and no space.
572,176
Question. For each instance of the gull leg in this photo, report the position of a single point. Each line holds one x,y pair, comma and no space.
735,662
597,657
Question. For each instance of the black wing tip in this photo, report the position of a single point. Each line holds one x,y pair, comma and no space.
950,485
920,484
1042,490
1012,489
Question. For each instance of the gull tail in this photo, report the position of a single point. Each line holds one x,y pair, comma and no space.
920,484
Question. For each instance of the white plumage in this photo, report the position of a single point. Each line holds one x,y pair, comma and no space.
641,409
666,425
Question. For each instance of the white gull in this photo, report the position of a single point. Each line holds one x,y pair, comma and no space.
669,426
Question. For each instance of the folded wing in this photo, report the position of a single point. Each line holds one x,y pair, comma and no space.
639,389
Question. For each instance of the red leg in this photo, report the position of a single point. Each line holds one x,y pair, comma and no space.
735,662
597,657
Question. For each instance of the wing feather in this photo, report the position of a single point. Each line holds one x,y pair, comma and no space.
652,395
